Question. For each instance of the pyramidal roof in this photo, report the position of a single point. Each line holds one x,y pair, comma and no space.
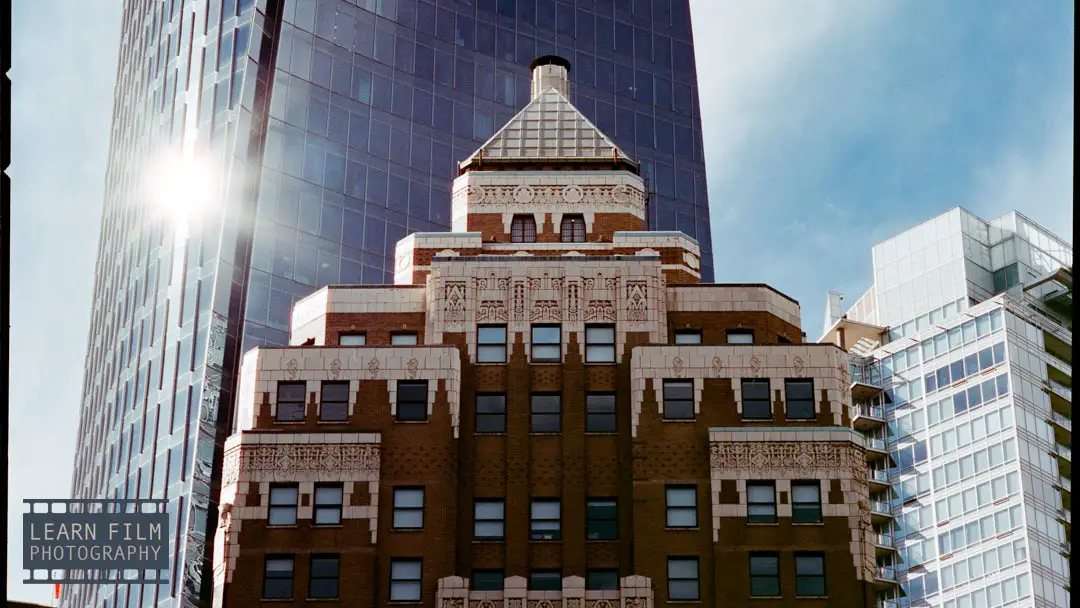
548,128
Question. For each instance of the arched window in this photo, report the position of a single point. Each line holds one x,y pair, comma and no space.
573,229
523,229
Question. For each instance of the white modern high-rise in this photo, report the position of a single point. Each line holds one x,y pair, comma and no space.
961,370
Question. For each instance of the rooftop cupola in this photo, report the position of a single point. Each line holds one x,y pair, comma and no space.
550,71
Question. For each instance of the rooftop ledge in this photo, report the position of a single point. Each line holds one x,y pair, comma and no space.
853,332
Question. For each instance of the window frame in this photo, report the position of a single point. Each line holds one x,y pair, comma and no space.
323,401
805,506
774,577
400,335
291,559
344,335
684,333
697,578
801,578
728,334
761,519
331,507
591,345
798,382
312,578
482,415
501,502
572,225
291,402
535,534
474,578
674,384
603,523
744,382
410,403
533,586
593,418
523,228
278,507
670,508
533,414
395,509
533,343
482,346
418,581
606,572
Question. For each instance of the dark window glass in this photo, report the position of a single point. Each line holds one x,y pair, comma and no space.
546,343
755,397
761,502
283,499
681,506
290,401
352,339
602,519
683,578
678,400
956,370
405,575
491,413
986,358
325,570
328,501
278,577
545,580
545,414
487,580
335,402
412,400
600,413
523,229
572,229
602,580
408,508
491,344
764,574
688,336
800,399
740,336
809,574
805,501
403,339
489,520
600,344
545,522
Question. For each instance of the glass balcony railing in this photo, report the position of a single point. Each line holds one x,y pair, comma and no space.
1062,420
1062,391
867,410
887,573
884,540
878,475
1066,484
1065,515
880,506
872,443
1063,452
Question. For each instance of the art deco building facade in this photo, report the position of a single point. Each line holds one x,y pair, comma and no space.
548,409
962,363
324,131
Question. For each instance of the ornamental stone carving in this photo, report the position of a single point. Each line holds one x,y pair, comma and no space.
491,310
335,369
755,367
454,309
573,194
453,602
412,368
785,459
677,367
599,310
717,367
373,368
524,194
292,369
573,302
637,301
798,367
282,461
545,311
519,301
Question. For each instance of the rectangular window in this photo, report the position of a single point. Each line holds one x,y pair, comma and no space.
687,336
328,501
545,522
325,570
283,499
764,574
408,508
335,402
487,580
809,574
491,344
290,401
600,413
683,578
678,400
761,502
755,399
545,580
489,520
681,506
602,519
799,395
546,343
599,343
412,400
352,339
405,576
278,577
740,336
602,580
545,413
491,413
405,338
805,501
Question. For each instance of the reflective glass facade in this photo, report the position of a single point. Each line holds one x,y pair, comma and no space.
329,129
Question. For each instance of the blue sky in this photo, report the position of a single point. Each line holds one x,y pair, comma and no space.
829,126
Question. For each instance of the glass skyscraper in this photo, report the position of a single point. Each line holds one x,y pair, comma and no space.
961,364
321,132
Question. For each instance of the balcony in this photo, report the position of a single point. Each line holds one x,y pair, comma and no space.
1065,549
876,450
862,391
1065,516
878,480
1060,397
1061,420
884,545
867,417
885,577
879,512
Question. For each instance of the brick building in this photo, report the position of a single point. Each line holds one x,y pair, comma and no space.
547,407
